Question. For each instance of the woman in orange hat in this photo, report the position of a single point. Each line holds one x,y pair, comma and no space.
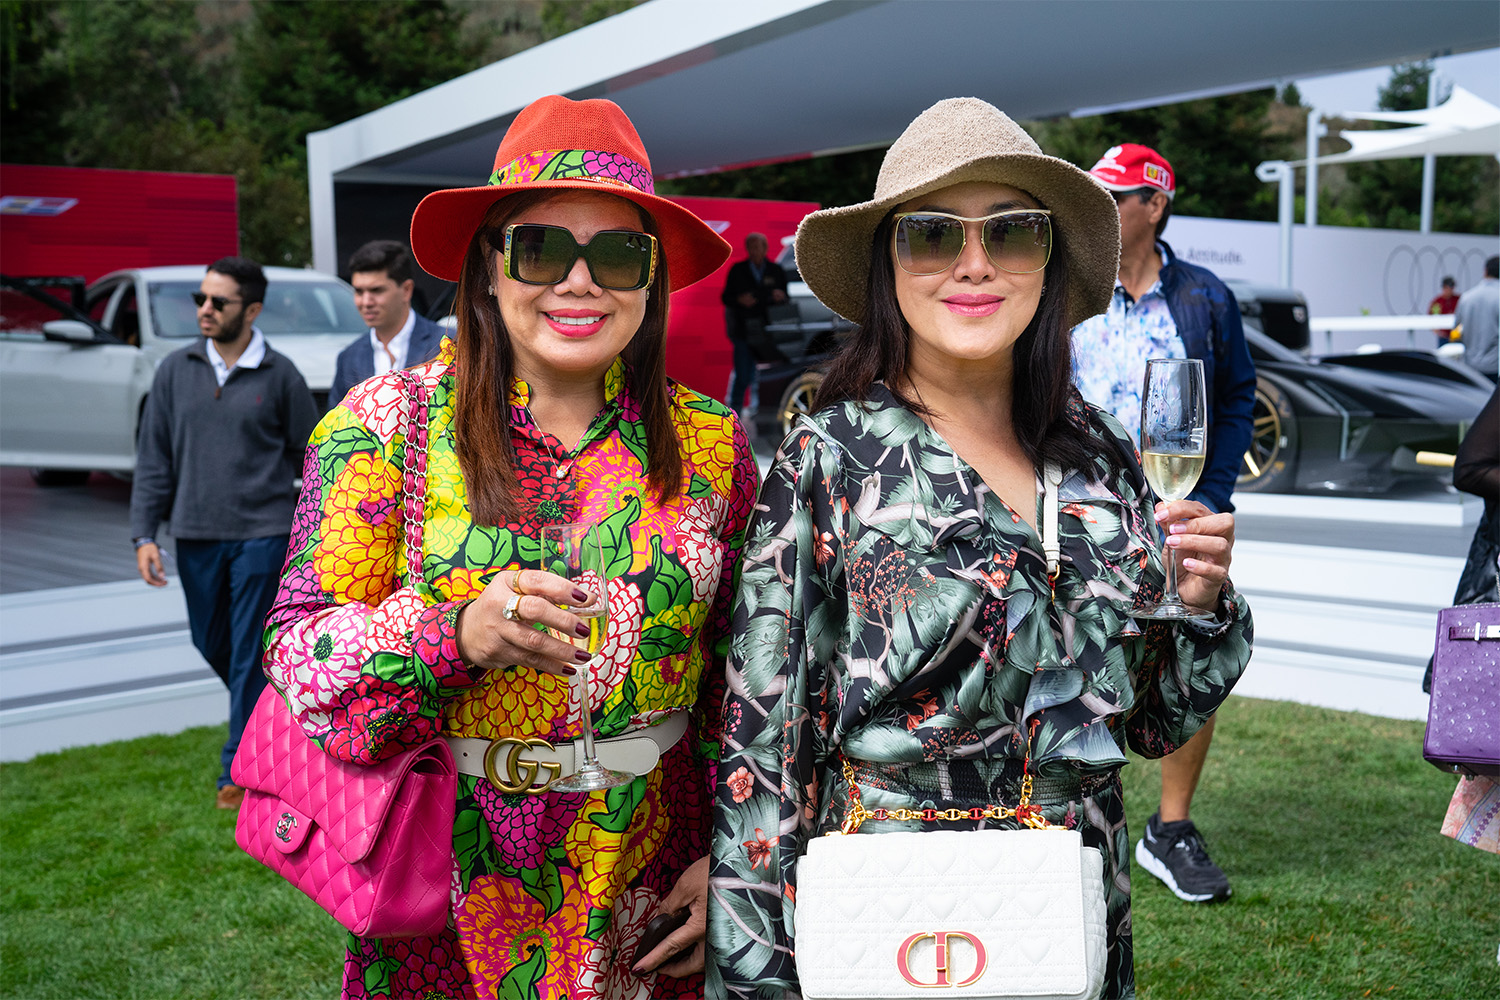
550,405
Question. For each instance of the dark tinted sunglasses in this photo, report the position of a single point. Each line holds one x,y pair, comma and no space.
617,259
219,301
1018,241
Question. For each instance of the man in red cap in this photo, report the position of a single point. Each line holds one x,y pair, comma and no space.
1165,308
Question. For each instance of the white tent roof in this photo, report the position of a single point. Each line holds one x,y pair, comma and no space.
1463,125
710,85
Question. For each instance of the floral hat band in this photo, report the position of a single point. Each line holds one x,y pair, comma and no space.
575,165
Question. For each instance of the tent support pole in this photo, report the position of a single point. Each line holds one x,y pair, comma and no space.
1314,132
1429,162
1282,171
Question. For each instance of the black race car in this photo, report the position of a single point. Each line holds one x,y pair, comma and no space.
1348,423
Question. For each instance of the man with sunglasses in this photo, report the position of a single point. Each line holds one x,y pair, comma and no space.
381,272
1164,308
218,455
751,288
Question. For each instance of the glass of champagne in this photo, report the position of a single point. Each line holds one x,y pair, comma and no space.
573,551
1174,439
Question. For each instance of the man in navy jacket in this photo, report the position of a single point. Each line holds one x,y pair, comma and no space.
1164,308
381,273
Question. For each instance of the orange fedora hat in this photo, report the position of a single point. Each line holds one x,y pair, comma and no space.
555,143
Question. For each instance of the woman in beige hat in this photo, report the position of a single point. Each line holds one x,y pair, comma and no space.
551,405
895,609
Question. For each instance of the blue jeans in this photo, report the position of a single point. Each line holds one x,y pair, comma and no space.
230,586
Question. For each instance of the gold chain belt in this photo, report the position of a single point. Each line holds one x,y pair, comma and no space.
1024,812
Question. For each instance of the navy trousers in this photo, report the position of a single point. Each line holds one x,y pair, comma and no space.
230,586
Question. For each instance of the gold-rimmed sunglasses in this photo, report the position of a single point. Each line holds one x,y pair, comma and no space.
1018,241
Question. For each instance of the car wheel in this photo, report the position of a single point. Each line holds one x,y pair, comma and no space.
1270,463
798,399
59,477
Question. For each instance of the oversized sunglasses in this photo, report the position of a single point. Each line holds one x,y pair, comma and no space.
1018,241
618,259
219,301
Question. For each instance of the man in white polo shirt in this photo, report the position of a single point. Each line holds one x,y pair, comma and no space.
381,273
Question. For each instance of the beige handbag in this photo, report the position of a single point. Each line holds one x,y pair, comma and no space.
950,913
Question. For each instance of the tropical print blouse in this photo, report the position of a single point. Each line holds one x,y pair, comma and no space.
551,892
894,610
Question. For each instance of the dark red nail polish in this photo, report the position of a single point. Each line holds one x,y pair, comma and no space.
570,671
580,597
581,630
582,657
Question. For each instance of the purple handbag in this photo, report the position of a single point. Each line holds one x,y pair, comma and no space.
1463,717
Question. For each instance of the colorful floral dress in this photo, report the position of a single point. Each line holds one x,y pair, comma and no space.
551,892
892,609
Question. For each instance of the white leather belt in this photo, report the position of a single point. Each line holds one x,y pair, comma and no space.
517,764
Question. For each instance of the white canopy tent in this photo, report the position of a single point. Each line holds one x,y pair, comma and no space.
1463,125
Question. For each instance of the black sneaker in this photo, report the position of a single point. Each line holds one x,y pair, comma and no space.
1175,853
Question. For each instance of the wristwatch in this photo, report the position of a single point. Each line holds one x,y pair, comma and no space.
143,540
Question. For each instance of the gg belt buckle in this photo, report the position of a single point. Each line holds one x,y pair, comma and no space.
520,773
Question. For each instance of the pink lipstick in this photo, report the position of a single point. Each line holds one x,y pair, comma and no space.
973,305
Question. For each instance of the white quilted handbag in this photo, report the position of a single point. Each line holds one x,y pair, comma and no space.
949,913
953,913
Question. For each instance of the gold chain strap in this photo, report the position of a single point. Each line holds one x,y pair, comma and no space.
1025,813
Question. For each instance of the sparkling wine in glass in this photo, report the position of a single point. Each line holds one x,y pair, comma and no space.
573,551
1174,440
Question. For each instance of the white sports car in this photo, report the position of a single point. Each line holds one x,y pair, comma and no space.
76,365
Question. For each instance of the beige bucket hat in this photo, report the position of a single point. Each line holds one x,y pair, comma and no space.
957,140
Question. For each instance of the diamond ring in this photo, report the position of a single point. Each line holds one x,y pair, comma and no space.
512,609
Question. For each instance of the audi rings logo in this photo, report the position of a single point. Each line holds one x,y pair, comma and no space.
942,964
1413,275
284,827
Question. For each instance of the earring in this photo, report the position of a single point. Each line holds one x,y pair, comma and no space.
492,289
648,295
1044,288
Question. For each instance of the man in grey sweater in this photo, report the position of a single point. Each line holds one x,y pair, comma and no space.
1478,316
220,449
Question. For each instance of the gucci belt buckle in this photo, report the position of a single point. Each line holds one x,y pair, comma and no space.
519,773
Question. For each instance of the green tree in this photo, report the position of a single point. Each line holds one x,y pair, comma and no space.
1213,145
308,66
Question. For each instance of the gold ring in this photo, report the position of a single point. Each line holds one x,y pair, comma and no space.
512,612
515,581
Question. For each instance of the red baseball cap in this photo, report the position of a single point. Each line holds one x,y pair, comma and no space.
1129,167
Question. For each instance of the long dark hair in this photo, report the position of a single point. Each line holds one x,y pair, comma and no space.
486,367
1042,362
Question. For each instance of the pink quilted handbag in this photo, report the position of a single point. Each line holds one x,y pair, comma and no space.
371,844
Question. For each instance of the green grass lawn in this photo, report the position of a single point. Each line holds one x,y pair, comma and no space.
119,879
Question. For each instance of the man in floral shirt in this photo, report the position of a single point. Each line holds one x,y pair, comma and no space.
1164,308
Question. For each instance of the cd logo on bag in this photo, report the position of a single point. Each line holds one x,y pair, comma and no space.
940,959
284,827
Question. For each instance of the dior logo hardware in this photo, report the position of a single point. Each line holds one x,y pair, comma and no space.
520,773
284,827
942,957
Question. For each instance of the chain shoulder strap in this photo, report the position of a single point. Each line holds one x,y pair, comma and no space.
414,475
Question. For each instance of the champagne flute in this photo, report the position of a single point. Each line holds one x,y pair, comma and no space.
573,551
1174,438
